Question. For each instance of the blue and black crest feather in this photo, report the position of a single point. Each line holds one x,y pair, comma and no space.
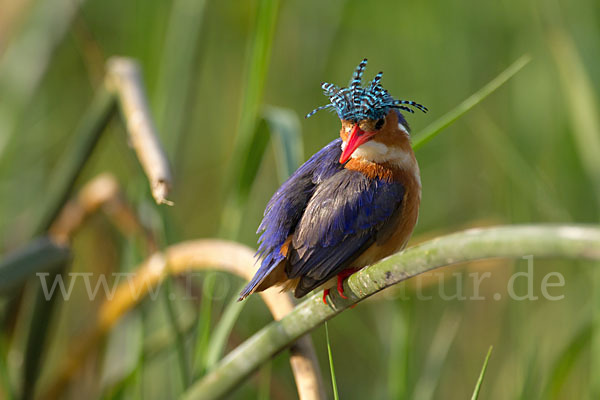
355,103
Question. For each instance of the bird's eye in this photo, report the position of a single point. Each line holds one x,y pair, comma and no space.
379,123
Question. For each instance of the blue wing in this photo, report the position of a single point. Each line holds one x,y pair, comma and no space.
287,206
341,220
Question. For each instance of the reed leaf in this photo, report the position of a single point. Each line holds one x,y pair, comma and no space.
450,117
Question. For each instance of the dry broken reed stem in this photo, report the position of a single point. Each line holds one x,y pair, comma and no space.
124,79
91,197
186,256
102,192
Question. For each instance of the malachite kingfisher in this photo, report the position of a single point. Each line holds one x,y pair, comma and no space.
351,204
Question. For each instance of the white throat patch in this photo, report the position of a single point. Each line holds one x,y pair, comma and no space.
380,153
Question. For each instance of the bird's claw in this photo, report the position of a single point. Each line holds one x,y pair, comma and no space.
340,280
340,286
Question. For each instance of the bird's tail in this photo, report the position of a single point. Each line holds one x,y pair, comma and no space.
261,275
250,287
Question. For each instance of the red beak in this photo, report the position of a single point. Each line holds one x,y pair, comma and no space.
355,139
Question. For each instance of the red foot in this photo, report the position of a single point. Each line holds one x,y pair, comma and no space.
340,287
340,280
325,294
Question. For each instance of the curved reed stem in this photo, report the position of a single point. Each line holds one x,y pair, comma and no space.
575,242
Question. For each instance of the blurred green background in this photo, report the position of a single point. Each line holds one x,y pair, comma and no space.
530,153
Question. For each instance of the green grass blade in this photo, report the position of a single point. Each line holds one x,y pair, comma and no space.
438,352
204,323
37,336
250,163
527,387
25,61
251,138
220,334
582,103
182,354
6,387
535,188
162,340
442,123
72,162
256,71
259,55
282,127
399,350
331,368
264,388
176,74
565,361
122,353
286,137
481,375
39,255
177,71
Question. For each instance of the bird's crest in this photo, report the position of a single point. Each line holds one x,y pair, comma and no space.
355,103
